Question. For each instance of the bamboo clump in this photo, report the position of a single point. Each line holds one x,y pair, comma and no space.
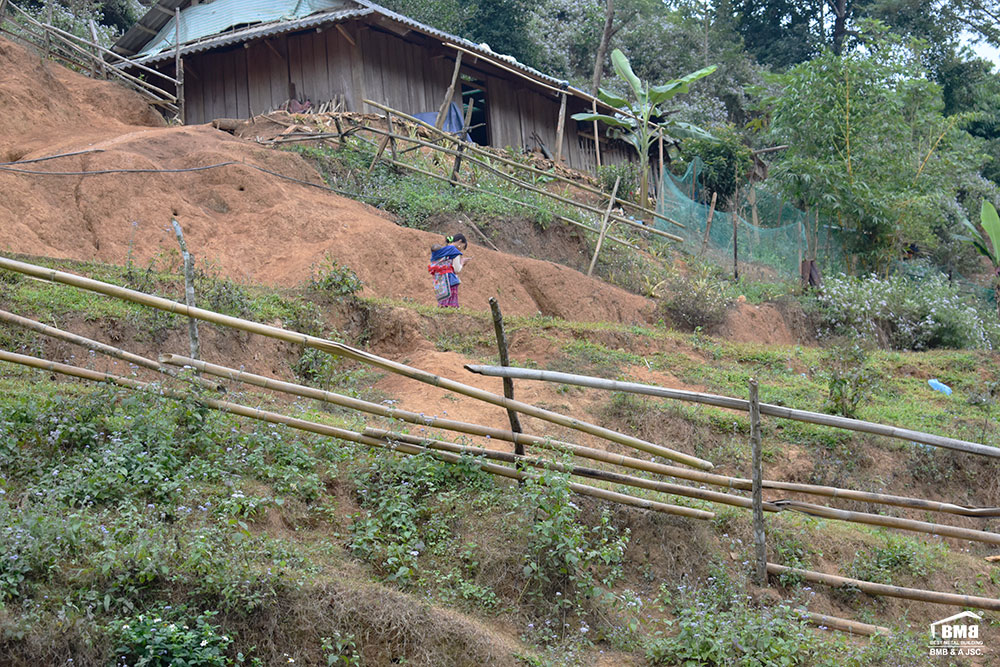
342,350
343,434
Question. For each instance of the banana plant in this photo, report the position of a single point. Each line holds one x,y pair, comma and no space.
635,124
990,222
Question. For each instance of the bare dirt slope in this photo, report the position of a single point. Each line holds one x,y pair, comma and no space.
251,225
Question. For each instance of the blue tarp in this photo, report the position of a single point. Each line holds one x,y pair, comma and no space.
453,121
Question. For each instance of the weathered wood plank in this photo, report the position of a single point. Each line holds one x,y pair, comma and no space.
242,88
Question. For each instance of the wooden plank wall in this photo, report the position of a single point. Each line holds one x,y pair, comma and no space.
323,66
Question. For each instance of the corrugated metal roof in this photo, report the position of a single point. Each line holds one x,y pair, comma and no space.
363,8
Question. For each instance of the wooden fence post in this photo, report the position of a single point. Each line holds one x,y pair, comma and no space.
195,343
604,226
179,66
560,128
759,537
708,225
597,141
48,20
508,384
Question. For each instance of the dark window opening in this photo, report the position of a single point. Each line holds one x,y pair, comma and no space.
473,93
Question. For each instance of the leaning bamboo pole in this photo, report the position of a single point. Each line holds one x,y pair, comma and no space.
97,346
524,185
843,624
342,434
342,350
498,158
918,594
941,530
741,405
580,451
579,471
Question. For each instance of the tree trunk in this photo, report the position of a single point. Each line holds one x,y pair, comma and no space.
602,49
839,24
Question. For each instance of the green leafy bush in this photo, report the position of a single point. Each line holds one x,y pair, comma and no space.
715,626
566,560
628,187
904,315
694,301
333,279
852,380
896,555
152,641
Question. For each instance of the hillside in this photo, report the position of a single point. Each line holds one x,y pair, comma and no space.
254,544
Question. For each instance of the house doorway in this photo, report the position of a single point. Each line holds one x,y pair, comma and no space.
474,93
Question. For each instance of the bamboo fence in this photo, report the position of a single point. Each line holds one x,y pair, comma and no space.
343,434
346,351
741,405
870,588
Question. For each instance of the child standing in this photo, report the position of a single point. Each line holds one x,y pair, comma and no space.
446,261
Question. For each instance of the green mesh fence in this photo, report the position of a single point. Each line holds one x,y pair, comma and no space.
772,236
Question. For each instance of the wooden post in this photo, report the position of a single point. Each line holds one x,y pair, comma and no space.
508,384
597,142
659,186
392,140
759,538
708,224
799,236
3,11
48,20
97,54
736,267
195,344
442,110
604,226
340,130
179,66
458,158
560,128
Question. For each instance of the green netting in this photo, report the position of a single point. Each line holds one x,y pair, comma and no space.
772,236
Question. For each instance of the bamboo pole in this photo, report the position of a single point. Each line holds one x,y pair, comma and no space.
759,537
560,128
870,588
97,58
579,471
503,160
342,434
342,350
597,137
48,19
708,224
527,186
559,446
844,625
604,226
97,346
508,384
889,522
448,95
466,123
742,406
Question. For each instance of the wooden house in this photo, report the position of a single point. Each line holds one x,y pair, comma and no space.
246,57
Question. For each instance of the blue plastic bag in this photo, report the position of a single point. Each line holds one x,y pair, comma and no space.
939,386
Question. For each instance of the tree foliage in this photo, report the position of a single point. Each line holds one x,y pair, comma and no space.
870,147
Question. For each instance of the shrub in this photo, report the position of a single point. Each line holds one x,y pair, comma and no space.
902,314
567,561
693,302
334,279
851,380
628,187
151,640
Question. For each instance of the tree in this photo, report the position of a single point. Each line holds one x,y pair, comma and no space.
870,147
638,126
